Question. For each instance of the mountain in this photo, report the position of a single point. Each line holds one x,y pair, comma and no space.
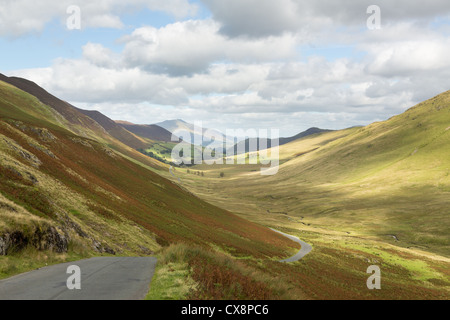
389,180
69,186
179,125
69,190
75,121
88,124
366,196
152,132
260,144
173,125
115,130
307,133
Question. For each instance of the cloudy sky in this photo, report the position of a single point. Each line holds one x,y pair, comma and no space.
286,64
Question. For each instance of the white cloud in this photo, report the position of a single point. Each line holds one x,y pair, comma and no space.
21,17
245,67
192,46
99,55
260,18
405,58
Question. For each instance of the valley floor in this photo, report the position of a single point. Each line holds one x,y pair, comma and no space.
337,267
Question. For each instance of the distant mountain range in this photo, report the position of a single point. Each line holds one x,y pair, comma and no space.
79,119
152,132
73,185
242,142
133,135
262,144
179,125
71,182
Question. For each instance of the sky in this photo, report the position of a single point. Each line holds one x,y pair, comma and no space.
232,64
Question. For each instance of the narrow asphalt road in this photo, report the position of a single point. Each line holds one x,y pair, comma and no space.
101,279
306,248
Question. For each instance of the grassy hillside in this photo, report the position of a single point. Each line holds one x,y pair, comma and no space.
69,192
31,102
263,144
62,193
116,130
378,194
390,179
152,132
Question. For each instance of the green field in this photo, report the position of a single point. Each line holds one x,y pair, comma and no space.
379,193
364,196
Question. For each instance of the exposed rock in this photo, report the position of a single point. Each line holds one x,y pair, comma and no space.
101,248
70,224
145,250
50,239
10,242
109,152
109,250
7,207
43,134
23,153
82,142
44,150
3,247
32,178
41,239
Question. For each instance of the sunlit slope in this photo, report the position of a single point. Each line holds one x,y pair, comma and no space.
31,100
415,143
395,173
389,180
98,197
116,130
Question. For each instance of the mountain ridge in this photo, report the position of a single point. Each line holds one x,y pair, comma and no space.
98,198
152,132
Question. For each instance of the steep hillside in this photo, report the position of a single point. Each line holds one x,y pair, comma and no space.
415,142
244,146
71,116
48,108
307,133
175,125
152,132
389,180
69,193
377,195
115,130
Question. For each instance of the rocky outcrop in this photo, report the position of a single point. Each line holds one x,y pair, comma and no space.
47,238
12,145
100,248
50,239
14,241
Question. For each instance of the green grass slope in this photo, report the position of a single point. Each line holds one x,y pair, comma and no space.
395,173
377,195
389,179
32,100
152,132
97,199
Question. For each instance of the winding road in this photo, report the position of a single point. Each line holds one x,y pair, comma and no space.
101,279
306,248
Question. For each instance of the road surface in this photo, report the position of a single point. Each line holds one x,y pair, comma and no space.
306,248
101,279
